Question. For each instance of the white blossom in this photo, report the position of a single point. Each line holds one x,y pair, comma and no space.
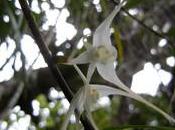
102,56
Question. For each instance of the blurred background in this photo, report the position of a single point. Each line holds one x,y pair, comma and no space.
143,33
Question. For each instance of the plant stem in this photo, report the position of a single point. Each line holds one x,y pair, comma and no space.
49,60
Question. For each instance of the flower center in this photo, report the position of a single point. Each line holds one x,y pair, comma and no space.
94,95
93,92
103,55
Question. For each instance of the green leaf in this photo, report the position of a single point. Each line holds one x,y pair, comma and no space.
133,3
50,122
141,127
54,110
42,100
171,32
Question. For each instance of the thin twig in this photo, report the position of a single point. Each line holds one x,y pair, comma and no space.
48,59
34,61
7,60
145,26
13,100
17,36
148,28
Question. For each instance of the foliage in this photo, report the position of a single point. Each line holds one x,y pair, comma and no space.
136,39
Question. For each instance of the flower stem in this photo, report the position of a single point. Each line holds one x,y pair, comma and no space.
81,74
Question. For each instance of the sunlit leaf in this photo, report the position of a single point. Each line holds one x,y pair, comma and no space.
42,100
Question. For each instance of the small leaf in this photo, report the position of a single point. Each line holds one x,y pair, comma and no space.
102,33
42,100
50,122
133,3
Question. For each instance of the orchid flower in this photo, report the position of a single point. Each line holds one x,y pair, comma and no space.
86,97
89,94
102,56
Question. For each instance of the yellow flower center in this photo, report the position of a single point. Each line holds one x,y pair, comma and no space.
94,95
103,55
93,92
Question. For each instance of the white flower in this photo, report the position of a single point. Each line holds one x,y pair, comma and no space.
102,56
88,95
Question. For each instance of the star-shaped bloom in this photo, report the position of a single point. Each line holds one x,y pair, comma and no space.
85,98
102,56
89,94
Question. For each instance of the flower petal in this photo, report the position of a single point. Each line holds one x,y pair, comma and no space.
107,71
75,103
167,116
102,33
88,113
83,58
142,100
104,90
90,72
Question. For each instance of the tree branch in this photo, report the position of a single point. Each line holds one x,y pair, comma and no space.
45,51
48,59
13,100
148,28
145,26
8,59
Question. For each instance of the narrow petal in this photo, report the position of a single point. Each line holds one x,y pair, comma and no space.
105,91
88,113
69,113
73,105
107,71
90,72
142,100
83,58
102,33
80,102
